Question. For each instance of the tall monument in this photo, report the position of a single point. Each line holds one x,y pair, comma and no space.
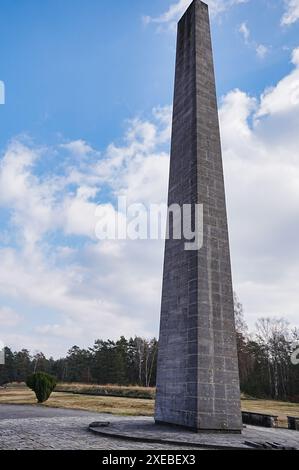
198,380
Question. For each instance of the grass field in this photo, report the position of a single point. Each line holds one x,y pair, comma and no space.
108,390
115,405
20,394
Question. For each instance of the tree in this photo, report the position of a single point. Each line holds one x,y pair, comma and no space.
245,359
40,362
22,365
105,361
266,369
241,325
151,352
77,367
272,336
42,384
121,361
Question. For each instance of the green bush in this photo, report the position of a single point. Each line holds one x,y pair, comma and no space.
42,384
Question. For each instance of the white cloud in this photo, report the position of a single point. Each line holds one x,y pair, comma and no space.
244,30
104,289
8,317
32,342
21,189
93,289
291,14
78,147
260,49
171,16
260,149
295,56
67,330
284,97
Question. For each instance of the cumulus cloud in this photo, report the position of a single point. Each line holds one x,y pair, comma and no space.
21,189
77,147
91,288
262,175
80,288
291,14
284,97
171,16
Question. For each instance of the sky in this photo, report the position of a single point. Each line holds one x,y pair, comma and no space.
87,117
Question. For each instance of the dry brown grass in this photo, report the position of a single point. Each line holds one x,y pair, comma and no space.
20,394
278,408
119,406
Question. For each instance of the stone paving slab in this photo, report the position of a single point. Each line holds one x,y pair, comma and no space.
147,431
40,411
43,428
64,434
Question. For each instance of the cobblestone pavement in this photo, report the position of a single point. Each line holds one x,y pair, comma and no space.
38,427
58,429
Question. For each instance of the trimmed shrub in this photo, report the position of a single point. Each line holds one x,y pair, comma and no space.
42,384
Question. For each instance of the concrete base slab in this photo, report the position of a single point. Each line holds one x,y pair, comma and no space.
146,430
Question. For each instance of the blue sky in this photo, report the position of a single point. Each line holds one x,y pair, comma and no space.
79,69
89,87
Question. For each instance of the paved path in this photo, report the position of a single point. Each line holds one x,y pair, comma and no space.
38,427
145,429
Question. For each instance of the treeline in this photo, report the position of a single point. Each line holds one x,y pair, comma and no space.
265,358
266,369
122,362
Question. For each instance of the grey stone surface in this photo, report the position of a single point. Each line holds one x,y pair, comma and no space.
145,429
40,411
198,382
40,428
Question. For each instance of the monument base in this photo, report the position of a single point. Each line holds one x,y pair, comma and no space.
145,430
198,430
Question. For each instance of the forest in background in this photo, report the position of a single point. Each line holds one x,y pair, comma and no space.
266,369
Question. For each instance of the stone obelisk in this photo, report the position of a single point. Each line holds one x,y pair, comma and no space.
198,379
